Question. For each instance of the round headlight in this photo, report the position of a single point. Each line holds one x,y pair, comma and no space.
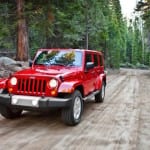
53,83
13,81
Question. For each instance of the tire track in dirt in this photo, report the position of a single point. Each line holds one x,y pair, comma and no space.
144,117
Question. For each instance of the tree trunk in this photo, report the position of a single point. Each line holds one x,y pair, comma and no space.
22,41
86,30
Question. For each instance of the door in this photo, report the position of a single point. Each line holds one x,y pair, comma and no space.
89,75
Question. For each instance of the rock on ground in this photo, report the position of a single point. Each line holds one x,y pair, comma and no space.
8,66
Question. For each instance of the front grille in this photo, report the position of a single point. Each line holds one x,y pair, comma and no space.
31,86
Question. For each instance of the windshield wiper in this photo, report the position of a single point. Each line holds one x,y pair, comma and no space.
71,65
39,64
59,64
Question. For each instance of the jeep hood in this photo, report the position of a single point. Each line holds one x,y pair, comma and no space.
47,71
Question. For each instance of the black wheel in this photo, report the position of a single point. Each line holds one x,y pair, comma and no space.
10,113
99,97
72,114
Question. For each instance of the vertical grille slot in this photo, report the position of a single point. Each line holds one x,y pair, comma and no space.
39,87
44,86
31,86
27,83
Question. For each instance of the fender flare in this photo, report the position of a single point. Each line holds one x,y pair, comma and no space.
3,83
100,80
68,87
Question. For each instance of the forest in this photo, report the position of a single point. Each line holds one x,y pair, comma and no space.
27,25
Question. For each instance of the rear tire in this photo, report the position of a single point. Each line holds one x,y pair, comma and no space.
10,113
72,114
99,97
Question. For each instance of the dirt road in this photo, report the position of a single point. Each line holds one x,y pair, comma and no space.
122,122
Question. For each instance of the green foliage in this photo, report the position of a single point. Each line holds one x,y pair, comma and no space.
76,24
144,7
7,27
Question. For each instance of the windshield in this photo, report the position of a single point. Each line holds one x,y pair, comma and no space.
61,58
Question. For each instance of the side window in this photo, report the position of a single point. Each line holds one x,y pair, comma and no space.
95,60
88,58
101,60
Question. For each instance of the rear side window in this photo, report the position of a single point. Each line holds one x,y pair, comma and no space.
88,58
95,60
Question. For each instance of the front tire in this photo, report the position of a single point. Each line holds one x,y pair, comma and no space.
9,113
72,115
99,97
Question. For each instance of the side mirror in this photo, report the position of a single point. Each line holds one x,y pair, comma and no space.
30,63
89,65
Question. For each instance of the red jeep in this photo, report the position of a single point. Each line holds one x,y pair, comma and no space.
62,78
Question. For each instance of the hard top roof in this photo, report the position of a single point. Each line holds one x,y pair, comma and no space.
68,49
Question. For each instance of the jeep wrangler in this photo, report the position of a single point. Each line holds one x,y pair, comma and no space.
56,78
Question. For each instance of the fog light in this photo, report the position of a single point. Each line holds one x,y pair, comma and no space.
14,101
35,103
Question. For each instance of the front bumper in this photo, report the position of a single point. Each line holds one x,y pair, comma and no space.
33,101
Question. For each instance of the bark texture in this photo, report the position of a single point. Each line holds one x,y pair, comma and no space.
22,41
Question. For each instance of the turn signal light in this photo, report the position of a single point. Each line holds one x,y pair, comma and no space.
53,92
10,90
